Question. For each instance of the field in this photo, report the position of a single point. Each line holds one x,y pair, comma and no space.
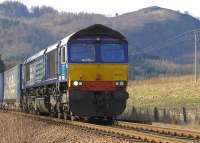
175,98
16,129
165,92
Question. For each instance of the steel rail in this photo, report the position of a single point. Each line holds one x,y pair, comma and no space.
161,130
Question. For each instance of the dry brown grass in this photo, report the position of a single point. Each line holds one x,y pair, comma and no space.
192,127
165,92
16,129
169,95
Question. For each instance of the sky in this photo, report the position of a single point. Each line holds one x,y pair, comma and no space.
111,7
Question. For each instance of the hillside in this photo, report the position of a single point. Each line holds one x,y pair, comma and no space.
24,32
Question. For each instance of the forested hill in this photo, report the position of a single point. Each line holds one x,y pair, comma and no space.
25,31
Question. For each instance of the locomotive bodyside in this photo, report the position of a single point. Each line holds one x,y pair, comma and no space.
44,77
43,68
45,80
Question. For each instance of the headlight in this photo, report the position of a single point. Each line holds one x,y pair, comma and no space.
75,83
116,83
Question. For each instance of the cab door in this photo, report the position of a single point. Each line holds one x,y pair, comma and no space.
63,68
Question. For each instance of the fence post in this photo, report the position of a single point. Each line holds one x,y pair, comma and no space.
184,115
164,115
156,114
134,114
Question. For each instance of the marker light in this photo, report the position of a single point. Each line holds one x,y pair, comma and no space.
117,83
80,83
121,83
75,83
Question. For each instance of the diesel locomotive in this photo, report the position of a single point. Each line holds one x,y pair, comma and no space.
83,75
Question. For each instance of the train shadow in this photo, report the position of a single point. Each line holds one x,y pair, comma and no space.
98,121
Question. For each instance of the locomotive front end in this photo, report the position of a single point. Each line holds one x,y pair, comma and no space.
98,73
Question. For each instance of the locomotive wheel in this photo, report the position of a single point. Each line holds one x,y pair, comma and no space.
72,118
37,111
59,110
86,119
53,112
59,115
65,115
65,112
34,112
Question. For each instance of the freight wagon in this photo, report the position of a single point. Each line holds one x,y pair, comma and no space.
1,88
12,86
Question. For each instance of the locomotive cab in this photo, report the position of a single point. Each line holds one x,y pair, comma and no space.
98,72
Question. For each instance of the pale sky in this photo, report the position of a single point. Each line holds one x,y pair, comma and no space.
110,7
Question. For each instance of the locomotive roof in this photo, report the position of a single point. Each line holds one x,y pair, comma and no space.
48,49
98,29
93,30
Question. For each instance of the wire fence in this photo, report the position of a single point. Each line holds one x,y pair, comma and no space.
182,115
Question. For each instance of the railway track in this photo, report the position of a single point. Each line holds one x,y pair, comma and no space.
186,135
126,131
